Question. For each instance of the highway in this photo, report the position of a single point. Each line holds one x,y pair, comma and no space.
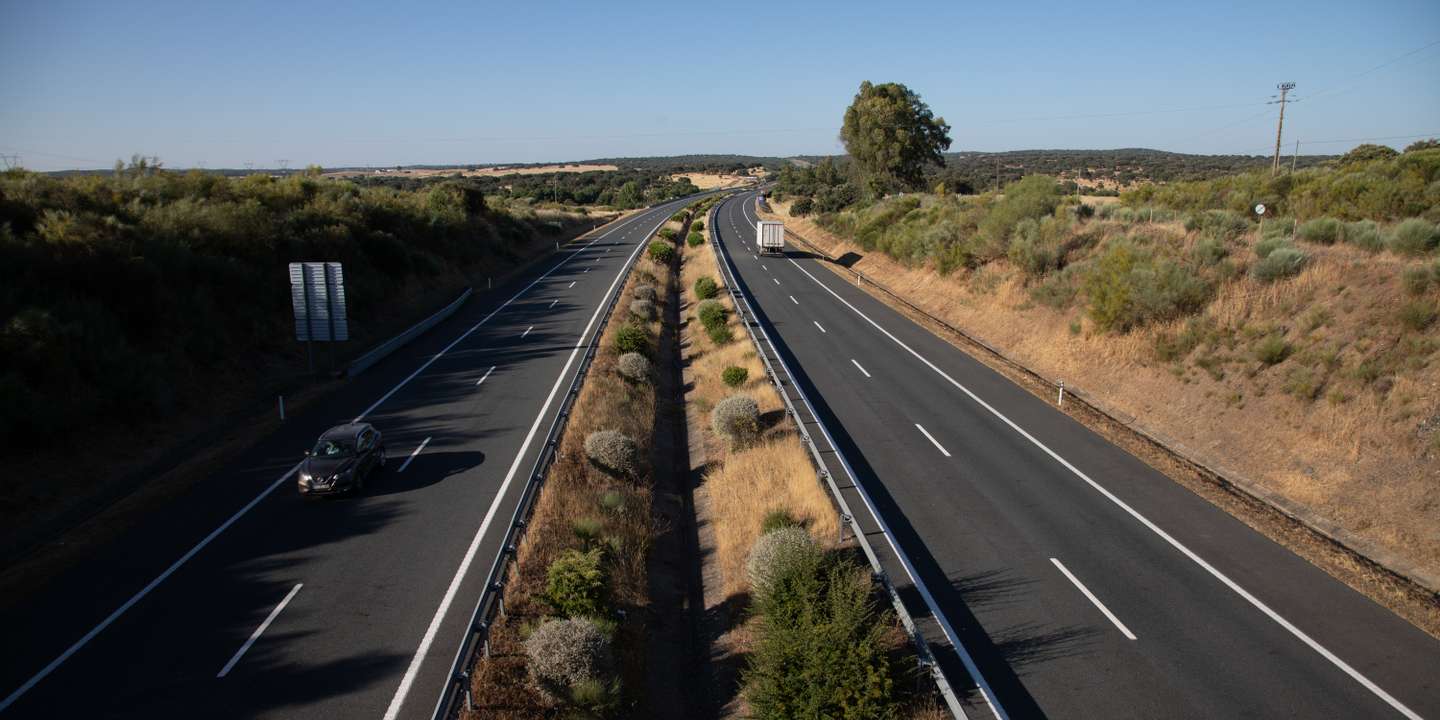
245,600
1084,583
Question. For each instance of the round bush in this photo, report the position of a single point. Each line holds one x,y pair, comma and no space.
695,239
736,376
575,584
1270,244
736,418
612,450
698,224
706,288
643,291
777,552
711,313
565,653
1414,237
720,334
630,337
643,309
1364,234
668,233
633,367
1283,262
661,252
1321,231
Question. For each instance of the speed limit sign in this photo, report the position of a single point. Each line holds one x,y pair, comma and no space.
1260,209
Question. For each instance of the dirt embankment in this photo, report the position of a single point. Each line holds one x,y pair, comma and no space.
1359,458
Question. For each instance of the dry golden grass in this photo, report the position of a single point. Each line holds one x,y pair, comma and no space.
1355,457
481,172
708,181
747,484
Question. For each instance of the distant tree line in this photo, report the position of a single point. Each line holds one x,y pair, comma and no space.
623,189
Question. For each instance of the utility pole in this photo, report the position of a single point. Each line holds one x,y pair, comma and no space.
1285,89
1295,157
997,173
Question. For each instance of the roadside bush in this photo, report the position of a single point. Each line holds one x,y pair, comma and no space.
777,519
1219,224
734,376
643,292
612,451
1281,263
633,367
695,239
737,419
1321,231
1209,251
720,334
1364,234
802,206
822,650
697,224
1034,246
564,653
1129,287
1279,227
668,233
1268,245
576,584
1418,314
710,312
643,309
630,337
679,216
706,288
780,551
661,252
1272,349
1414,237
1416,280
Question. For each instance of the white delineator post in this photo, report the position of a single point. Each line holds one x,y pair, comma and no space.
1061,400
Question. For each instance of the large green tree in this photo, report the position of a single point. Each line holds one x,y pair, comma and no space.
892,134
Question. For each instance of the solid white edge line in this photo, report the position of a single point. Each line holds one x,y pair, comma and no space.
932,440
486,375
414,669
857,365
162,577
818,325
259,631
410,459
971,668
1222,577
1094,600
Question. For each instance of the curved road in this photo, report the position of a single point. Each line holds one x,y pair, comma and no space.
247,601
1084,583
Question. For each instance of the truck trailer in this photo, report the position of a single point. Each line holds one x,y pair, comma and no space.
770,237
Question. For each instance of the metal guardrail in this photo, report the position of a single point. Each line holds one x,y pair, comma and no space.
492,598
748,318
379,352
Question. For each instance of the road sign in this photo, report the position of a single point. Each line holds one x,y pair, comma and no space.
317,296
1260,209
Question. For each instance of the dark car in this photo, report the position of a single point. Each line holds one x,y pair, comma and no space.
342,460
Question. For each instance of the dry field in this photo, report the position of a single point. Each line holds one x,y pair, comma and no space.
1347,457
498,171
708,181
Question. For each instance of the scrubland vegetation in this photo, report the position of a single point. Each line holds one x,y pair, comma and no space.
624,189
1300,353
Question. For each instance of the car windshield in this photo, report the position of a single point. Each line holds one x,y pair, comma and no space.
333,448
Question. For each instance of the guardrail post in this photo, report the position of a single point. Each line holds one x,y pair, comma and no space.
845,521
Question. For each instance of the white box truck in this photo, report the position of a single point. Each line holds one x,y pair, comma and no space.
770,237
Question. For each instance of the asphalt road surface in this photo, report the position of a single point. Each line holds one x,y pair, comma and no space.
1084,583
246,600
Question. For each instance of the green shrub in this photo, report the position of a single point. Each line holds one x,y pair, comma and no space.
737,419
1272,349
1364,234
821,650
679,216
706,288
565,653
1128,287
576,584
613,451
710,312
1221,224
630,337
661,252
1034,246
802,206
667,233
1414,237
1416,280
1268,245
694,239
1279,227
776,519
1281,263
697,225
1418,314
734,376
1209,251
1321,231
720,334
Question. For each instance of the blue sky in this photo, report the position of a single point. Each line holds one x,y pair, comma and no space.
383,83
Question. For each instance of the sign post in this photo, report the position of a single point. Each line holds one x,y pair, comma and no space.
1260,210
